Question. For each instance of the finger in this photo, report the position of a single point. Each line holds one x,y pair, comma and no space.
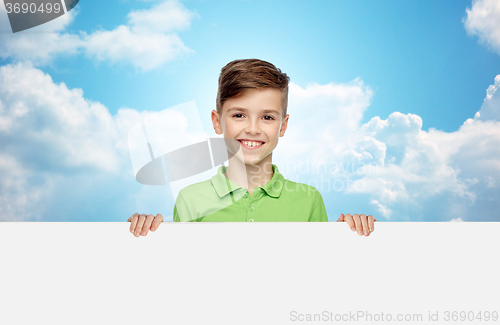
364,222
371,220
348,219
359,226
147,224
341,218
140,223
132,217
157,222
133,220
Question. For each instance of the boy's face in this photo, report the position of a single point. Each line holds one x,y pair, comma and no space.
257,116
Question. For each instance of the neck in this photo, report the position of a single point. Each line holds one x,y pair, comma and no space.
250,176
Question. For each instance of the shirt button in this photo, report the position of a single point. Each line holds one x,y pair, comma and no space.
251,208
250,220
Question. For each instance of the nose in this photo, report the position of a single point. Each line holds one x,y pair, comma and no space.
252,127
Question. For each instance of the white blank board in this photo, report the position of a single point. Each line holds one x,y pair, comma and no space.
247,273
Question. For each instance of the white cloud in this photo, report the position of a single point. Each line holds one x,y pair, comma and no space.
483,20
391,163
41,43
147,40
384,211
456,220
339,107
490,110
50,134
19,200
166,17
461,166
53,118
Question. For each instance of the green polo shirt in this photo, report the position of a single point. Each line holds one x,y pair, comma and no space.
219,199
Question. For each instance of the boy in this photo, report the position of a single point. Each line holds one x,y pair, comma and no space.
252,114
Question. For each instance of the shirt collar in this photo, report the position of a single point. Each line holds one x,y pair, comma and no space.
223,185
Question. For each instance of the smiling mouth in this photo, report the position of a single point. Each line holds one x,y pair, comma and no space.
251,144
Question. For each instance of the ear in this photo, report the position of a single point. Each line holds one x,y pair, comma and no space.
216,122
284,125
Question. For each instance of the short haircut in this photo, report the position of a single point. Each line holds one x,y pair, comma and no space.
240,75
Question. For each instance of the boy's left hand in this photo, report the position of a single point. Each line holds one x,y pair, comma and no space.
360,222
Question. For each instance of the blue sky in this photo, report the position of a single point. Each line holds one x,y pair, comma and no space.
416,55
417,58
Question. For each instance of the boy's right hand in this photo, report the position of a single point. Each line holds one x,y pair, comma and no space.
142,223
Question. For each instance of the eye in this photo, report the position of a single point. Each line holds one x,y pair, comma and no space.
270,117
237,115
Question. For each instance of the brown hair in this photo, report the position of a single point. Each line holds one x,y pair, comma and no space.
240,75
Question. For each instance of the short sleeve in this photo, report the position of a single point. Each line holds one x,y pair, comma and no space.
318,211
181,210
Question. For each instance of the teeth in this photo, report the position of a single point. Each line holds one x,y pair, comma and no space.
252,143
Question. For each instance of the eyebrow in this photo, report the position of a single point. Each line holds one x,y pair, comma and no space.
246,110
